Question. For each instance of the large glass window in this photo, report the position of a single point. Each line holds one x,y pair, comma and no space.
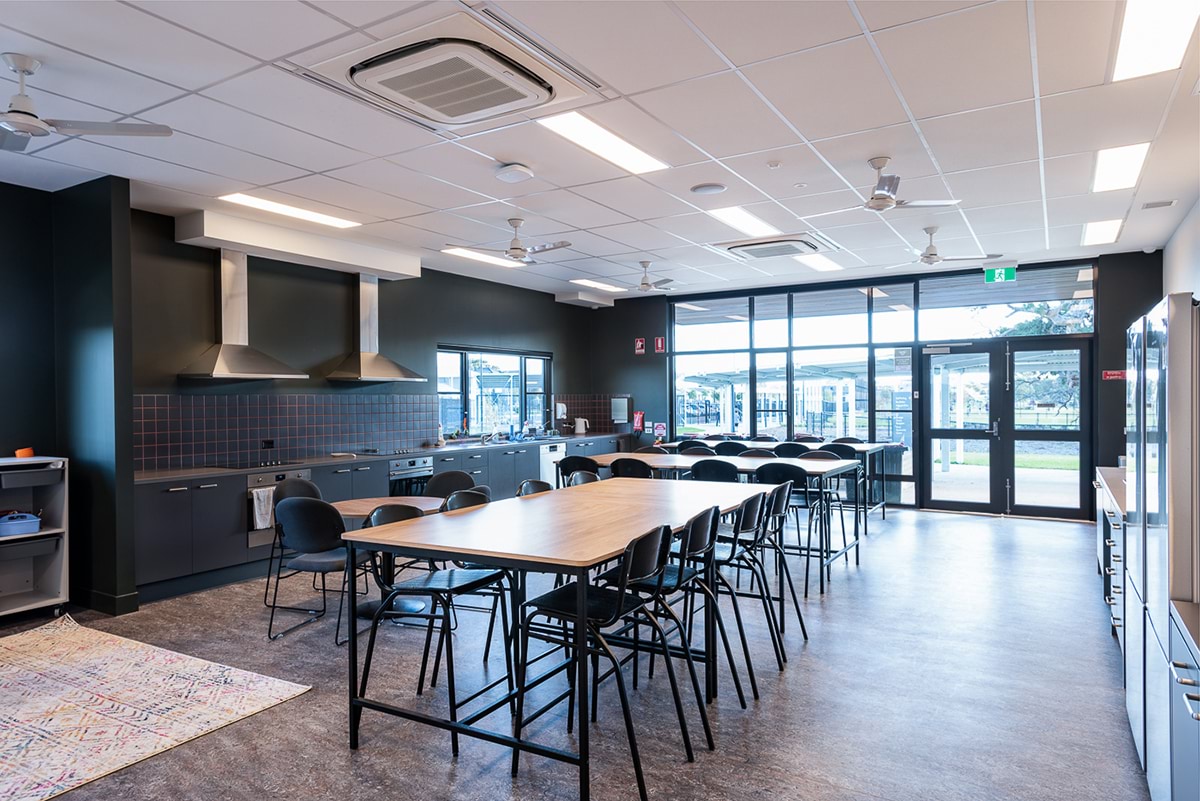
829,317
712,392
722,324
1038,303
500,391
829,391
771,394
892,315
771,321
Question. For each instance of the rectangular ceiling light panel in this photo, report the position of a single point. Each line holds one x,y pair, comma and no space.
605,144
1154,36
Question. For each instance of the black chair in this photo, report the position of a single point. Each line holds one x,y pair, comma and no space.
288,488
440,485
775,515
698,450
808,438
630,468
715,438
608,605
533,486
582,477
313,529
820,453
790,450
651,449
571,464
483,489
730,448
852,440
765,438
832,498
758,453
690,443
714,470
463,499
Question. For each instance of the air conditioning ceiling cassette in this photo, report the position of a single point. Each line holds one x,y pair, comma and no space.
785,246
456,70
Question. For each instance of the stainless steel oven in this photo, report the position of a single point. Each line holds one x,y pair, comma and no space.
259,536
409,475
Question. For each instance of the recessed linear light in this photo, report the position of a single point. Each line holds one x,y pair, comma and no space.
605,144
744,221
290,211
486,258
1103,232
819,262
1154,36
1119,167
598,285
1085,275
690,307
738,317
1082,293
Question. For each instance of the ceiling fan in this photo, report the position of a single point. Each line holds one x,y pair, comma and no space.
930,255
20,122
653,286
516,248
883,197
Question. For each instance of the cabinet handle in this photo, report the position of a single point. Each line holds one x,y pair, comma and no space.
475,456
1111,543
1117,590
343,470
447,459
1116,622
510,453
1108,599
208,486
523,451
1186,682
362,468
1187,701
1182,666
1096,484
1112,520
1115,557
177,489
1110,571
476,472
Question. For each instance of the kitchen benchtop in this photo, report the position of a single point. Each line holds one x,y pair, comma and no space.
1113,479
151,476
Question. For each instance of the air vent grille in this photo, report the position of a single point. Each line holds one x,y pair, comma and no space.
454,86
1158,204
773,250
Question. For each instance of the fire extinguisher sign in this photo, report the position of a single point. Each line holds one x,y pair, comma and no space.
639,346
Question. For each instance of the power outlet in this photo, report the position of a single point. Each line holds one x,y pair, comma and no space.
268,444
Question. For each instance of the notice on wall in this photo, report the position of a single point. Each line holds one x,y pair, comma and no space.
1112,375
660,429
903,358
639,346
660,344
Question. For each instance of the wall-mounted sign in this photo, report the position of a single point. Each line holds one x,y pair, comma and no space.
660,344
903,357
999,275
639,346
1112,375
660,429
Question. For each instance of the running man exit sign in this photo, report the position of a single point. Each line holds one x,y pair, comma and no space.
999,275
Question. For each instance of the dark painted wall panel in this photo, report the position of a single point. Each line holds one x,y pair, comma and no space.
26,322
615,368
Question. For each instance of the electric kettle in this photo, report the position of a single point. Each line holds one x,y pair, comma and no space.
582,425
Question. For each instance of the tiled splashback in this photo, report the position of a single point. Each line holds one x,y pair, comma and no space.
183,431
597,409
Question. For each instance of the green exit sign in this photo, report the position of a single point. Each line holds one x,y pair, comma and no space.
999,275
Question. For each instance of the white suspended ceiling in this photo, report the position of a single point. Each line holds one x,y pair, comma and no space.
1001,104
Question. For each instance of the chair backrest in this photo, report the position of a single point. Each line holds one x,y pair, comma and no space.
296,488
309,525
750,514
440,485
698,450
730,448
651,449
715,438
463,499
391,513
483,489
790,450
714,470
840,449
853,440
820,454
642,561
758,453
778,502
631,468
765,438
691,443
808,438
779,472
701,533
582,477
532,486
571,464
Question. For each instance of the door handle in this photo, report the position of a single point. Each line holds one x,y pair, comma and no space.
343,470
362,468
995,430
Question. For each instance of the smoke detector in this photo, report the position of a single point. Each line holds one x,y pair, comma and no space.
513,173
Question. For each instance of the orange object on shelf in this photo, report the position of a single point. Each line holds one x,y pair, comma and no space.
24,453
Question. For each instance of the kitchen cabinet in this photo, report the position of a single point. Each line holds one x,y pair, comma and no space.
334,481
369,480
1184,705
528,463
162,531
476,463
509,466
1135,666
448,461
1159,683
218,522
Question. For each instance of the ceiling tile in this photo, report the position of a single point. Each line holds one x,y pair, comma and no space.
1172,170
829,91
1131,111
597,267
794,165
294,101
640,236
405,234
1015,243
978,57
349,196
1073,42
36,173
881,14
164,51
849,154
330,202
594,245
999,219
911,226
644,45
77,76
556,271
360,13
1066,236
1089,208
697,228
551,157
864,235
574,210
693,256
634,197
330,49
218,122
534,227
779,28
830,201
467,169
984,138
91,156
885,256
201,154
384,176
267,29
636,126
993,186
459,230
1069,175
720,114
680,181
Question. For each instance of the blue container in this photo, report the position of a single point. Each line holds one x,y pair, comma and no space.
19,523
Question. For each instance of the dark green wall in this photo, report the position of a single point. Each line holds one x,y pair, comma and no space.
26,322
92,316
307,317
615,368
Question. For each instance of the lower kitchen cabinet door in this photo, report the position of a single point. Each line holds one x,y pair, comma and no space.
162,531
529,464
334,481
219,508
502,473
1185,729
370,480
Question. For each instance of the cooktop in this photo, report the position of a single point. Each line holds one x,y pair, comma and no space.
243,464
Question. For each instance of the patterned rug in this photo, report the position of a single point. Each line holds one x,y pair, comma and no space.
77,704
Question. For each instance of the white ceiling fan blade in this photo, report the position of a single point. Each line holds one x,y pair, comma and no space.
887,186
836,211
11,142
86,128
662,282
976,258
905,264
926,204
551,246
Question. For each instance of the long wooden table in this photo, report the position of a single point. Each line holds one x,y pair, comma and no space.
362,507
569,531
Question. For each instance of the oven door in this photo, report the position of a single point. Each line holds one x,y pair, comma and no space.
407,483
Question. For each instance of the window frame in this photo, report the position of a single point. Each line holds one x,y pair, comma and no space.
464,353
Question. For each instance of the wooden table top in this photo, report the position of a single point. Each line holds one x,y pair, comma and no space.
859,447
574,527
362,507
744,464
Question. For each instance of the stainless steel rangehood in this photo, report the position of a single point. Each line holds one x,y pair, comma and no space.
232,356
367,363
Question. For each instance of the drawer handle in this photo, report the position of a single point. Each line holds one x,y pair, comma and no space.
178,489
1117,590
362,468
1108,599
510,453
476,472
1110,571
447,459
208,486
1116,622
343,470
1096,484
1187,701
1115,557
1111,543
1186,682
1182,666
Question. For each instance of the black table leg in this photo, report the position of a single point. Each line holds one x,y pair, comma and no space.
352,653
582,683
405,606
710,640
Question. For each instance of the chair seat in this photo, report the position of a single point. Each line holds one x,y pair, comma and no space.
671,576
602,602
454,580
325,561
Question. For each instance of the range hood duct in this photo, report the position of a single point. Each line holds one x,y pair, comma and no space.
367,363
232,356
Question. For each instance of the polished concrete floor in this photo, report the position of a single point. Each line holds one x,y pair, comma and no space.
966,658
